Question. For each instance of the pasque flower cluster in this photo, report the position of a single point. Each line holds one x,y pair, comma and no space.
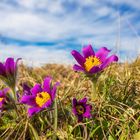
42,96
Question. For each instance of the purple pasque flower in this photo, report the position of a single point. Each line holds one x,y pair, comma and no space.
39,97
92,62
81,109
3,97
8,71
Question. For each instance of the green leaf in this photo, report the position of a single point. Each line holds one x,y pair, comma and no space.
94,130
35,134
110,138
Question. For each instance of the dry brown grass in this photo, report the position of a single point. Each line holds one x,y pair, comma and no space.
116,103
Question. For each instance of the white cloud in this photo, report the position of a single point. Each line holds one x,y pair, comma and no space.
50,21
28,24
50,6
35,27
35,56
131,3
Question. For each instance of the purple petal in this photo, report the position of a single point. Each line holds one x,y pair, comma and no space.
36,89
78,68
84,100
1,103
53,92
102,53
87,112
10,66
17,64
27,89
74,102
18,96
94,70
4,92
2,70
47,84
79,58
74,111
88,51
28,99
109,60
80,118
47,104
33,110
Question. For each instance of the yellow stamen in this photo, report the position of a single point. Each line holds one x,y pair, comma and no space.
80,109
91,61
1,99
42,98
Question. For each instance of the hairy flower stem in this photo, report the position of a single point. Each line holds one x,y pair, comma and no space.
14,100
55,118
14,94
94,94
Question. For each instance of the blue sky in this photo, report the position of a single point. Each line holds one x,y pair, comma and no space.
45,31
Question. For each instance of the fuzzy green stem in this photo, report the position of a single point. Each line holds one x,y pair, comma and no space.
14,94
14,100
94,87
94,93
55,118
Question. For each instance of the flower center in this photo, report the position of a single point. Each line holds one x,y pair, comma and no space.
80,109
91,61
42,98
1,99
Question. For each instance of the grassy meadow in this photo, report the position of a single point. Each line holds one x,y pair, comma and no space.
113,93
